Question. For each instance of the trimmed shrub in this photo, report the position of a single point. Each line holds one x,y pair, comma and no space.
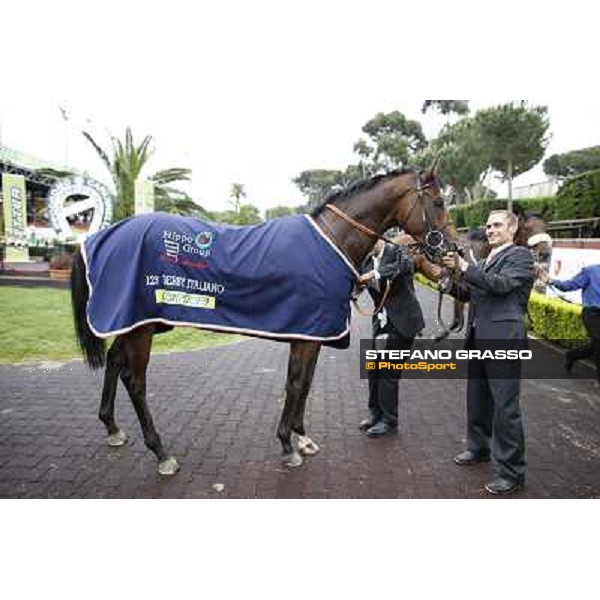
579,197
420,278
552,319
556,320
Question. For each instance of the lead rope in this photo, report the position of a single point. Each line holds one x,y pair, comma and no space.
459,318
381,304
559,296
445,331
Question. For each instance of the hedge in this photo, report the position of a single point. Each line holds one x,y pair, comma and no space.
577,198
475,214
551,319
420,278
556,320
582,194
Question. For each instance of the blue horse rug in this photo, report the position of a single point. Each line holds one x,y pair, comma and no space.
282,279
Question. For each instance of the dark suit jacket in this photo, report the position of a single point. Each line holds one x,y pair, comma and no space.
498,294
402,307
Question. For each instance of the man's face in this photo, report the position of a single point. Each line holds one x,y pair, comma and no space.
498,231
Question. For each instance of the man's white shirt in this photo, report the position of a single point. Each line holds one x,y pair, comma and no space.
491,255
497,251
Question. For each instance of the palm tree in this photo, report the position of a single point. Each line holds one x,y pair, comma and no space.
125,165
237,193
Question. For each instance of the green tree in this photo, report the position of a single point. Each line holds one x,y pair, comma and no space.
279,211
463,159
237,193
317,184
573,163
393,138
351,174
247,214
365,152
445,107
125,163
513,137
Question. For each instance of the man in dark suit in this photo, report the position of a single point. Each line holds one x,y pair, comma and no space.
498,289
394,327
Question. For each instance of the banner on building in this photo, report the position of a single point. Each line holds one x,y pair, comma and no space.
15,217
144,196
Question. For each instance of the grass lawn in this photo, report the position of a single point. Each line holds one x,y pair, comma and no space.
36,324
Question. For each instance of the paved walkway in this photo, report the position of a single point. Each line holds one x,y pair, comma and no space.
217,411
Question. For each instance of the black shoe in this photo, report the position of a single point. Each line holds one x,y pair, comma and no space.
569,362
382,429
367,423
468,457
501,486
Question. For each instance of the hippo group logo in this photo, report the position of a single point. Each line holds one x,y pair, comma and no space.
184,249
204,240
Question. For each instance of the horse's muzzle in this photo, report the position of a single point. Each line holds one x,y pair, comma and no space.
435,246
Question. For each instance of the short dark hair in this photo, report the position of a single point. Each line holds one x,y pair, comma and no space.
508,215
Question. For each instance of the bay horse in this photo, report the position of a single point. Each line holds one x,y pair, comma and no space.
352,219
531,233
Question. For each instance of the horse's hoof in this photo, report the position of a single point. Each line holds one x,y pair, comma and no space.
292,460
117,439
170,466
306,446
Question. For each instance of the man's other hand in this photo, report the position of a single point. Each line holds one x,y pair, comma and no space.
454,261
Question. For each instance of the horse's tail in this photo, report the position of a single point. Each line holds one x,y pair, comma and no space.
92,347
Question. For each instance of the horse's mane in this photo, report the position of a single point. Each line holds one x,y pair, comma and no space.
357,187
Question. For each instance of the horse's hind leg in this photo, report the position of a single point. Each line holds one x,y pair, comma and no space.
137,347
303,358
306,445
114,364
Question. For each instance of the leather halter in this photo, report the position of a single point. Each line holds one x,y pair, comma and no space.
426,246
429,248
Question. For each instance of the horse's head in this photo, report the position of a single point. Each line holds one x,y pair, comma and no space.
474,244
355,217
532,234
422,213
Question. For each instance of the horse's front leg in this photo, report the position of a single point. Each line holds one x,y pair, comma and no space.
301,368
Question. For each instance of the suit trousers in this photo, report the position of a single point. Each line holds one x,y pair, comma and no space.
383,392
591,320
494,421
